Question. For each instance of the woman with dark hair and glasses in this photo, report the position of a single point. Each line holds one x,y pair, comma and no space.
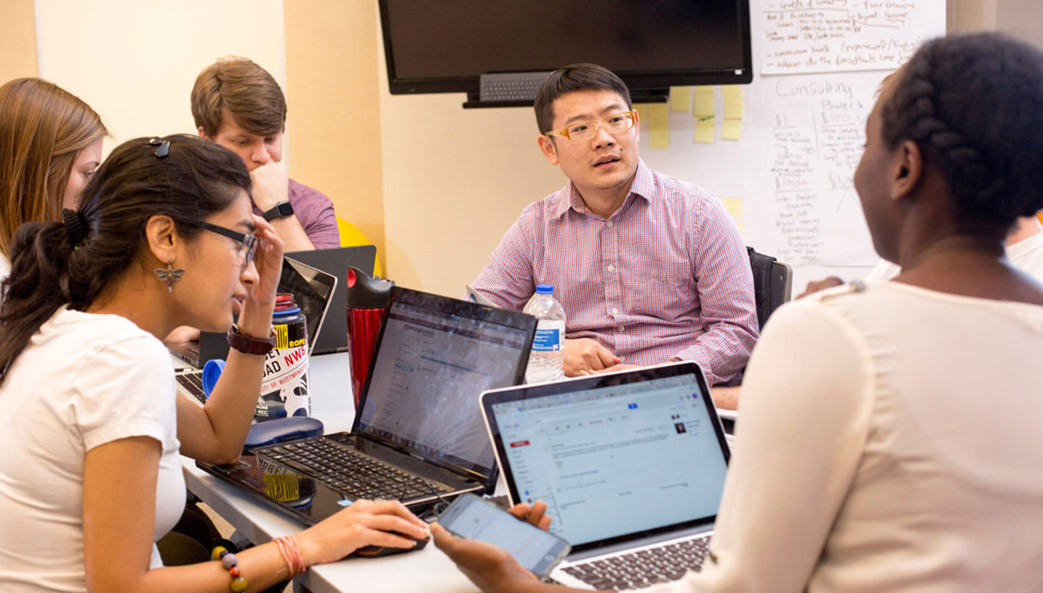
92,429
889,437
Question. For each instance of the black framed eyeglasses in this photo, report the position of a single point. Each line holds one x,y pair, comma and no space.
247,243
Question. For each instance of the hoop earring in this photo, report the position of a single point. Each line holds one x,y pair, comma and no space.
169,275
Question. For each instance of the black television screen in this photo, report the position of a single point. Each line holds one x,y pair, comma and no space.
446,45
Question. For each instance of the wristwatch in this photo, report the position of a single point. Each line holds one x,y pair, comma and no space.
280,210
248,345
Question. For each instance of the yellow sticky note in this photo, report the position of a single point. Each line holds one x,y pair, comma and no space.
731,129
733,206
732,94
680,98
659,125
705,126
703,104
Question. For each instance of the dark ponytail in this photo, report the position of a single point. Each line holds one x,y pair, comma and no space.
183,177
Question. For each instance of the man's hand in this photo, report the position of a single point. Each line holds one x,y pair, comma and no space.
271,185
817,285
585,355
726,398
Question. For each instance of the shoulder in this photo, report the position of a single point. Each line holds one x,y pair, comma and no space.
109,341
303,193
1028,255
683,198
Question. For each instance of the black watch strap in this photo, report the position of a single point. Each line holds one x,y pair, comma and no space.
280,210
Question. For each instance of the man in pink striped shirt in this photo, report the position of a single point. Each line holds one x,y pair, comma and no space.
647,268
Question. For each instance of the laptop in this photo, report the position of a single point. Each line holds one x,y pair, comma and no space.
313,291
631,465
418,435
336,261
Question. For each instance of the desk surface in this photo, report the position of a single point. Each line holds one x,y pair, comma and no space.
428,569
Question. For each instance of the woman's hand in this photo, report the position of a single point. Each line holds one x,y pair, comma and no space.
364,523
489,567
267,260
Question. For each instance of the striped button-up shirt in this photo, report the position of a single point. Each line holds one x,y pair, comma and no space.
665,276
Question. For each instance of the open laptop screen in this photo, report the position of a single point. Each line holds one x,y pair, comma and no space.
640,447
434,358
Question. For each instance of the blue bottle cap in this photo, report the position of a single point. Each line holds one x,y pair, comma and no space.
544,289
211,371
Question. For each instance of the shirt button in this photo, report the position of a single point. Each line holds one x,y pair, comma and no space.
609,224
615,311
621,329
611,268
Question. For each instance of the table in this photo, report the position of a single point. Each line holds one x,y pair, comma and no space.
426,570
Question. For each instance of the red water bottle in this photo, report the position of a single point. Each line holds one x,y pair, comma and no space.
367,301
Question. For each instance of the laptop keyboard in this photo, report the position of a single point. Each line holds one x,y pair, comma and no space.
192,382
645,567
351,472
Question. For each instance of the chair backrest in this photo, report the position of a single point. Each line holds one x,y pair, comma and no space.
351,236
772,283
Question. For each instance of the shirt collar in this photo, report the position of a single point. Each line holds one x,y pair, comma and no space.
643,187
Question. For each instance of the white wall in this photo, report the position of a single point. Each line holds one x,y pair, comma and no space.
135,62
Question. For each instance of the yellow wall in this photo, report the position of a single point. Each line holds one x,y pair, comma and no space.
331,88
17,39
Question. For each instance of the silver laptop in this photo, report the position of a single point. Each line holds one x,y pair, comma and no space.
631,465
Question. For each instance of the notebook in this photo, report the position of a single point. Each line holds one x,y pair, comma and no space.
336,261
418,434
630,464
312,289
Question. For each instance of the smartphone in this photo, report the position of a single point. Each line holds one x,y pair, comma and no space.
475,518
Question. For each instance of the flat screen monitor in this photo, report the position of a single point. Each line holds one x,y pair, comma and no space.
436,46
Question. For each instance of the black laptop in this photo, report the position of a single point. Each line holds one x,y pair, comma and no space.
336,261
418,434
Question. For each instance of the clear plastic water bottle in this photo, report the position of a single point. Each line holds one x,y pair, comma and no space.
546,362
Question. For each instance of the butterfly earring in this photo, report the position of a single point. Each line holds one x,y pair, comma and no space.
169,275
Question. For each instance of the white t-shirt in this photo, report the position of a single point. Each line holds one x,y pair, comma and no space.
889,440
83,381
1026,255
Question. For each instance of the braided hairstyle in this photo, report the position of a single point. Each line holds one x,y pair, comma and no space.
973,104
73,261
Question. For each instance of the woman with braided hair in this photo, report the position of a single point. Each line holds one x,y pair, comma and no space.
871,455
93,431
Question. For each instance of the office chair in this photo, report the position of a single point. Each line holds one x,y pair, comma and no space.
772,283
350,235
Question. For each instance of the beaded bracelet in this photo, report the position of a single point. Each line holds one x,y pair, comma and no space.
291,554
231,564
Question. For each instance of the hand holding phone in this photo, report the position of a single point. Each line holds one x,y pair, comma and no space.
475,518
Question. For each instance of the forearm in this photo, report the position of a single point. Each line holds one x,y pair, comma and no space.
228,412
261,566
292,234
722,351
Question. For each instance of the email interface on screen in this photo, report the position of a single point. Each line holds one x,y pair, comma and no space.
428,374
644,454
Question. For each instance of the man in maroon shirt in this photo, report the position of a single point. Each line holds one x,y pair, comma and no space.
238,105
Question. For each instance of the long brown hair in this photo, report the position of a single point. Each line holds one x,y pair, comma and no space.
42,129
188,182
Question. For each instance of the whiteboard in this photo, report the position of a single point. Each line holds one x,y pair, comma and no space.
787,179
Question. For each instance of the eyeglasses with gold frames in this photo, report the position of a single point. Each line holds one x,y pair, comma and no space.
585,130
